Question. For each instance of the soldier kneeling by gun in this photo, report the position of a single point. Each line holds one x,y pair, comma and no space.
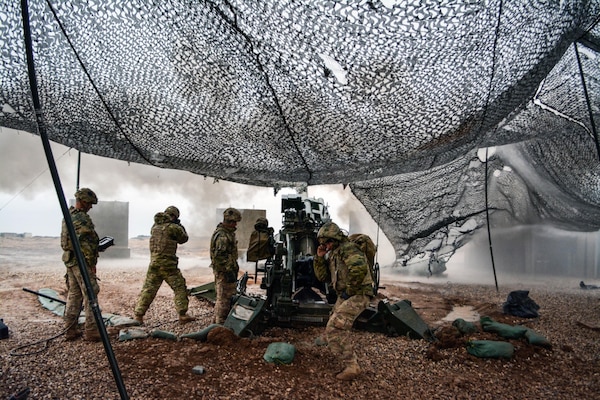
342,264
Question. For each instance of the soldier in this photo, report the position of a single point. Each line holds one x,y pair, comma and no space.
223,257
347,269
88,241
167,232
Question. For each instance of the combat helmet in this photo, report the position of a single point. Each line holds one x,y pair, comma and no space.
261,223
330,230
86,195
232,215
172,211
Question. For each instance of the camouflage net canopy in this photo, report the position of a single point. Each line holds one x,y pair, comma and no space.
422,106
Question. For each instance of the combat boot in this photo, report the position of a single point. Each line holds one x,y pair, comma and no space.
349,373
139,318
72,333
92,335
184,319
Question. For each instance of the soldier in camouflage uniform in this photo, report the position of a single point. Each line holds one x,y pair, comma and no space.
167,232
341,263
223,257
88,241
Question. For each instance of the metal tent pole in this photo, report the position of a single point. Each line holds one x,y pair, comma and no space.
487,217
63,204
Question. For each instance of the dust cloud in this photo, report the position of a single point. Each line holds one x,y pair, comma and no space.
28,201
26,179
526,255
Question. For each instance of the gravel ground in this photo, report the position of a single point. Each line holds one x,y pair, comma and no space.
36,356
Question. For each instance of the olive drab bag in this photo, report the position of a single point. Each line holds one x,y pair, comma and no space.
367,246
261,245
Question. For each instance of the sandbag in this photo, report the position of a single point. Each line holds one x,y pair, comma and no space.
536,339
132,333
519,304
490,349
464,327
119,320
280,353
201,335
157,333
504,330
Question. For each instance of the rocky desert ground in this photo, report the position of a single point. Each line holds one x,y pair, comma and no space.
36,356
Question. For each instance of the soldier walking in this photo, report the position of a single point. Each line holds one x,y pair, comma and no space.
223,257
167,232
347,269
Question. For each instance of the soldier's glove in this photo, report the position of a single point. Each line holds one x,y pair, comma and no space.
230,277
344,295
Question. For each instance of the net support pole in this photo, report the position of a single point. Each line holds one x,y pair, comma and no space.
63,203
487,218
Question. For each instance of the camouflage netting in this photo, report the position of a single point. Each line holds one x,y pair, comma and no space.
398,100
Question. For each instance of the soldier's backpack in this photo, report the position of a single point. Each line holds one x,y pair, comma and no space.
367,246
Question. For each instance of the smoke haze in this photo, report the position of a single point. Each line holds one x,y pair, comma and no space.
28,201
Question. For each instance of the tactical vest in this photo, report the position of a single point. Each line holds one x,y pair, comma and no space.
65,239
88,238
161,242
227,261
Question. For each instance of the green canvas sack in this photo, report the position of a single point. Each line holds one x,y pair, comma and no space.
280,353
504,330
490,349
464,327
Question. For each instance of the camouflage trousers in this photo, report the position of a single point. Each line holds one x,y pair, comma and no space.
76,295
225,291
340,324
157,273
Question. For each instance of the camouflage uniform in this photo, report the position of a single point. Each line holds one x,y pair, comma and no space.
165,235
347,269
223,256
88,241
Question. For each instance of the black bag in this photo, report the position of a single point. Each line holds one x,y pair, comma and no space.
519,304
3,330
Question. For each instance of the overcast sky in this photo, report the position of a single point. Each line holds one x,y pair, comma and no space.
28,200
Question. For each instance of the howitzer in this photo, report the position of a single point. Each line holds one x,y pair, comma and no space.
293,296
